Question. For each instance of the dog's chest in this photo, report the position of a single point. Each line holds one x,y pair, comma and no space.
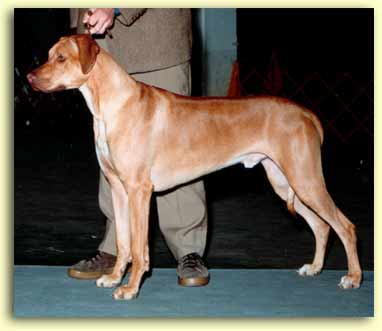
102,148
100,136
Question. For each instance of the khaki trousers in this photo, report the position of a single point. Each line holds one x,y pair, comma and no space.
182,212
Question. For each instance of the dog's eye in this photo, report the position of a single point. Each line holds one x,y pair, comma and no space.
61,58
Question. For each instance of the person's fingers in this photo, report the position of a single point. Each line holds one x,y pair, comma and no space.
105,26
87,15
97,28
95,20
94,30
98,20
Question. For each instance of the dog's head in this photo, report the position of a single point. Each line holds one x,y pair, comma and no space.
69,64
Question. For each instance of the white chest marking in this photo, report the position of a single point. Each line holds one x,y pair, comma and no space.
102,149
88,98
101,138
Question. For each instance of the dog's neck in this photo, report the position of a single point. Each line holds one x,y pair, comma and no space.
100,90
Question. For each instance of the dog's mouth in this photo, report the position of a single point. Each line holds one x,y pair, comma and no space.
56,89
41,84
41,88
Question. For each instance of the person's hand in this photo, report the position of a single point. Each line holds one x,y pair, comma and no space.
99,20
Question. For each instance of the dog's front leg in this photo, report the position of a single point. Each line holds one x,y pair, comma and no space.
139,206
121,216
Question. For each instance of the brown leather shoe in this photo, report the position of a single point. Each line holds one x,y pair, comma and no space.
192,271
94,268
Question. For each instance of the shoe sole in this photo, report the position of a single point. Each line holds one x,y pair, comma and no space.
193,282
89,275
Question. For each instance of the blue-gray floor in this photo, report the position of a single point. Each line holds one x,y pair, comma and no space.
47,291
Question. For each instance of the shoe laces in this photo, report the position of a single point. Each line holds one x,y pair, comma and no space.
96,260
192,260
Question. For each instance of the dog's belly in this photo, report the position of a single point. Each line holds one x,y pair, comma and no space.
164,178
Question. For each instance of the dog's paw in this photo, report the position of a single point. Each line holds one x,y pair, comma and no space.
107,281
308,270
350,281
125,293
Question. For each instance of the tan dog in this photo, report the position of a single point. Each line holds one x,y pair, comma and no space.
148,139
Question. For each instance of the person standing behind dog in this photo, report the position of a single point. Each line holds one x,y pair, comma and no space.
154,46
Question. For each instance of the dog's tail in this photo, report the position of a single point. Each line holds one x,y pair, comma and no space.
290,201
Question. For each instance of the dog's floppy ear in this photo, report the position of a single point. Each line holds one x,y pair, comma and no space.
88,50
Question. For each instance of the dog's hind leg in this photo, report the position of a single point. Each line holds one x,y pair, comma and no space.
315,195
320,228
321,234
304,173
